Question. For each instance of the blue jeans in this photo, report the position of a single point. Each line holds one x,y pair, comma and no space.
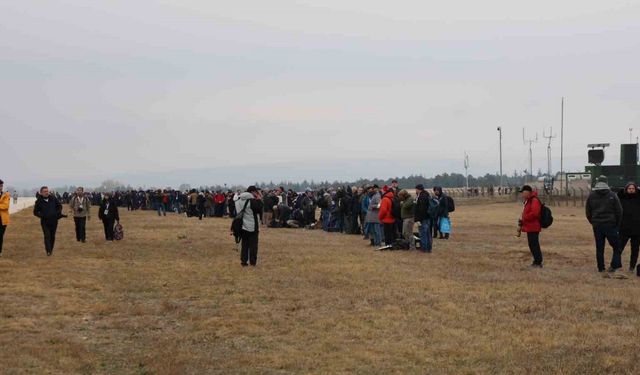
160,209
611,235
365,230
374,232
426,241
325,217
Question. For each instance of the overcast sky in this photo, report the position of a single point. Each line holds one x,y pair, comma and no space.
97,89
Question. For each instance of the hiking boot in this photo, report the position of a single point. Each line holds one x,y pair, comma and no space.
611,270
49,253
536,265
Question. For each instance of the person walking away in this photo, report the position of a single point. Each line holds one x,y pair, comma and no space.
630,228
5,198
109,215
530,223
373,219
81,211
385,214
407,203
49,210
443,212
421,216
604,212
249,207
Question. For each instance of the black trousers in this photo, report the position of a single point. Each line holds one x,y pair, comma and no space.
49,228
3,228
389,233
534,247
81,228
108,228
624,239
249,251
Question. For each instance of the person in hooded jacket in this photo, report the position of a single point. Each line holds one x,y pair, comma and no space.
530,223
630,228
443,212
249,205
604,213
4,212
386,217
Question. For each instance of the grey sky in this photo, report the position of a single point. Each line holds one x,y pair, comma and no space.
95,89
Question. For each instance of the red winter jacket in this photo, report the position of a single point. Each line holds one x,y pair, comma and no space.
386,213
219,198
531,214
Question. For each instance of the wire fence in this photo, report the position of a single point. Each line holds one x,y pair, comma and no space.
573,197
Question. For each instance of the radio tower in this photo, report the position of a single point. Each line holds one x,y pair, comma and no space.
550,137
530,141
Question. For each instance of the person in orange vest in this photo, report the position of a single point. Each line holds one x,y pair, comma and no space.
5,198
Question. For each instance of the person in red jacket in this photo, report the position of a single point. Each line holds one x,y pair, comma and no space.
530,223
385,214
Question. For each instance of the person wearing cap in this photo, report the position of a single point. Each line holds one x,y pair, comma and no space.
81,210
249,206
630,228
421,216
530,223
5,198
604,212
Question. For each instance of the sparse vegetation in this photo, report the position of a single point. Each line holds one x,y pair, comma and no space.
172,299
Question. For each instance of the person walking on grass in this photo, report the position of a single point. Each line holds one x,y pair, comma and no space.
530,223
249,207
49,210
81,211
407,203
604,213
5,198
630,228
109,215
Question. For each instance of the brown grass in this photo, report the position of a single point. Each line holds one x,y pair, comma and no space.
173,299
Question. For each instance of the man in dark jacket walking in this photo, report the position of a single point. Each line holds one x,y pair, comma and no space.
604,212
630,229
49,210
109,215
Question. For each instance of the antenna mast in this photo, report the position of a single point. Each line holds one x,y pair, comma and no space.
550,137
530,141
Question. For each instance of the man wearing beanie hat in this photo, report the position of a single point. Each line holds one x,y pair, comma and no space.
4,212
604,212
530,223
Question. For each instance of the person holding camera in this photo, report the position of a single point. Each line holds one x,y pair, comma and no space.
49,210
80,208
249,208
530,223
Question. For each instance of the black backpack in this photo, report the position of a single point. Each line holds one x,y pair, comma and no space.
451,203
546,216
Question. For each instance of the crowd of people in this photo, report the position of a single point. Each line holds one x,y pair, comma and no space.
385,216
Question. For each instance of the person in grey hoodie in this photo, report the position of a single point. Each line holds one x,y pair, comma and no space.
604,213
249,206
372,216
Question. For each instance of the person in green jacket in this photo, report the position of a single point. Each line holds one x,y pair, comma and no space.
406,213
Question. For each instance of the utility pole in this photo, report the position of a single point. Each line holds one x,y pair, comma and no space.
562,141
550,137
531,141
500,131
466,169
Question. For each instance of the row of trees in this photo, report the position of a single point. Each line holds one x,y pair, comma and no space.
446,180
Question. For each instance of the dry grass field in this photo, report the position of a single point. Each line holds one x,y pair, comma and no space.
172,299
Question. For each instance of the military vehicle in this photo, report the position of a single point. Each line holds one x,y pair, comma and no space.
617,176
